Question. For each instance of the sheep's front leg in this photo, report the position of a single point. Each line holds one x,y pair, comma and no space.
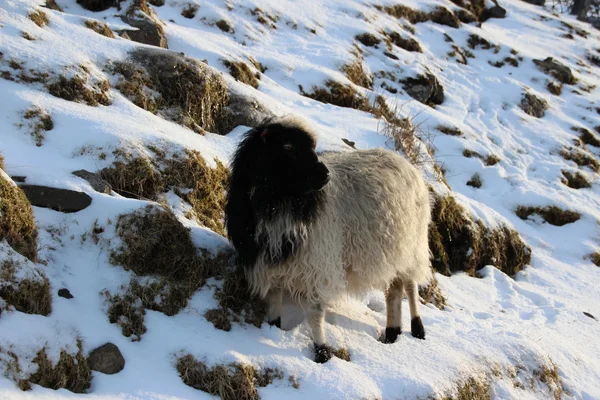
416,325
316,321
274,300
393,302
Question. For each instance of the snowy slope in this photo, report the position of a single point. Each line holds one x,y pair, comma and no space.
493,326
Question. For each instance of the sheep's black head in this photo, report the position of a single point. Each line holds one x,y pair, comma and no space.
288,159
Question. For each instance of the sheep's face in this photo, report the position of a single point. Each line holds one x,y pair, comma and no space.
292,160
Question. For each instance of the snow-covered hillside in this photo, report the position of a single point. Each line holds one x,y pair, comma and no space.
514,138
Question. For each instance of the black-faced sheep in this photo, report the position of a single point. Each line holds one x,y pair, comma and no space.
319,226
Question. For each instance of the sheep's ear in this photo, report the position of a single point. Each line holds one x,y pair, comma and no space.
263,135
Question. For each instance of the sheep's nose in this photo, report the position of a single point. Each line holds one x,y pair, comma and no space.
322,174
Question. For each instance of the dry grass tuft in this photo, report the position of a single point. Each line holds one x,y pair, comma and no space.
587,136
179,88
236,302
339,95
230,382
581,158
224,26
439,15
476,41
99,27
533,105
29,294
431,293
80,90
475,181
576,180
356,74
71,372
53,5
492,159
368,39
458,243
548,374
242,73
342,353
39,18
17,224
554,87
551,214
471,389
595,258
188,175
189,11
2,167
449,130
408,44
40,123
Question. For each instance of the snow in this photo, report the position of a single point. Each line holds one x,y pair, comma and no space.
490,323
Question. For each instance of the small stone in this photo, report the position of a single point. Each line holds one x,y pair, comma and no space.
65,293
349,142
106,359
587,314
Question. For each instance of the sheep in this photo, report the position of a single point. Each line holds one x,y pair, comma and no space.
320,226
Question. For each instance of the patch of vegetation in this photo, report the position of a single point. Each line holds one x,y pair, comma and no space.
576,180
368,39
458,243
356,74
475,41
492,159
593,59
449,130
79,89
99,27
17,224
236,302
342,353
24,287
595,258
235,381
224,26
471,389
265,18
178,87
533,105
39,18
242,73
186,174
157,245
551,214
587,136
27,35
40,123
339,95
475,181
2,167
52,5
408,44
548,374
431,293
554,87
189,11
581,158
439,15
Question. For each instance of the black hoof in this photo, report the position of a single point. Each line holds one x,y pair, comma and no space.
416,328
391,334
276,322
322,353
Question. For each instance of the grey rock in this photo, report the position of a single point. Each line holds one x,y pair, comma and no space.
556,69
62,200
149,31
425,89
533,105
106,359
65,293
95,180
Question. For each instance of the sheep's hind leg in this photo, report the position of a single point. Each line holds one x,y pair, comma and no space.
416,325
274,300
393,300
316,321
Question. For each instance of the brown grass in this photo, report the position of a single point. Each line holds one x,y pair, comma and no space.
554,87
17,224
581,158
408,44
145,178
80,90
551,214
342,353
40,123
242,72
587,136
439,15
576,180
548,374
492,159
189,11
52,5
180,88
595,258
99,27
471,389
30,295
2,167
356,73
39,18
224,26
458,243
431,293
475,41
449,130
368,39
339,95
236,302
235,381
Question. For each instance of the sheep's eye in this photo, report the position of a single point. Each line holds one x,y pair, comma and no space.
288,146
